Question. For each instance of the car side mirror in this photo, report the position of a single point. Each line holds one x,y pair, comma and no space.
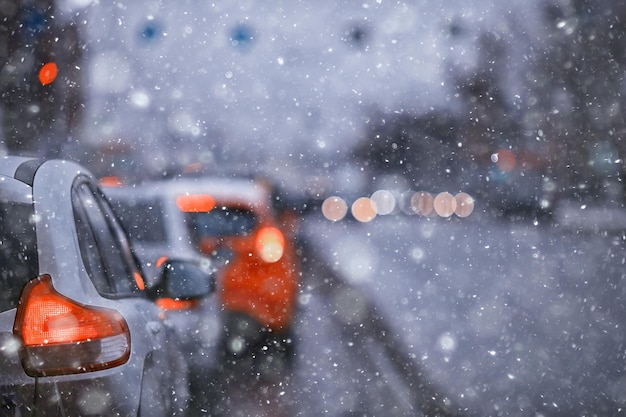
184,279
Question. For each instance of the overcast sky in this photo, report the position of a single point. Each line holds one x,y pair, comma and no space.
275,83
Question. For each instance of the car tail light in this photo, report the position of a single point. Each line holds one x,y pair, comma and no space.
111,181
270,244
195,203
61,336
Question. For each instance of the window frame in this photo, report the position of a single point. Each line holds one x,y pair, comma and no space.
105,249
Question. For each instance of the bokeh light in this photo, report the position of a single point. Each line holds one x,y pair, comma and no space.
384,202
363,209
444,204
464,204
504,160
270,244
140,99
72,4
242,36
48,73
447,342
10,346
404,202
334,208
151,30
94,401
422,203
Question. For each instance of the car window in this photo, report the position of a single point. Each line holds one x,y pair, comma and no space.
221,221
18,251
143,219
105,251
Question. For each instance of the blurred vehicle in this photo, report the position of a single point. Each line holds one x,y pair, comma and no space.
234,222
153,227
79,334
514,185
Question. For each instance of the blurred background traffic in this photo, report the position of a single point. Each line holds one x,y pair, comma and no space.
454,172
345,98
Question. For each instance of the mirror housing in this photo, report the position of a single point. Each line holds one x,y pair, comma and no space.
184,279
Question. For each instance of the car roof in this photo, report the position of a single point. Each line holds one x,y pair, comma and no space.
242,190
23,168
9,166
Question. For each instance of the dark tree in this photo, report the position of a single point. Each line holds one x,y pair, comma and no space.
566,123
38,119
577,84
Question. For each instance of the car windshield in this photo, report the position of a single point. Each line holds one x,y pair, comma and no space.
222,221
447,182
18,251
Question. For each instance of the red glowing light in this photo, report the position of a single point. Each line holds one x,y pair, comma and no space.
48,73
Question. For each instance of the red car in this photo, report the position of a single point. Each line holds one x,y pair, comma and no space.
233,221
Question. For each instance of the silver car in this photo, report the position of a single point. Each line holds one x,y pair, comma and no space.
158,232
79,334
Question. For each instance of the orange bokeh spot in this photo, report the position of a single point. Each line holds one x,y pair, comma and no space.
48,73
334,208
270,244
464,204
363,210
444,204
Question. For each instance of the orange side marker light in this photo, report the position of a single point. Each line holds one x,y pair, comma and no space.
139,281
161,261
168,304
111,181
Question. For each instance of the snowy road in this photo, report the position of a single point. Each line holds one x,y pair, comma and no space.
510,318
348,363
469,318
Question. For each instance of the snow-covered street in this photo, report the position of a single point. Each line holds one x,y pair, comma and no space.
510,319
